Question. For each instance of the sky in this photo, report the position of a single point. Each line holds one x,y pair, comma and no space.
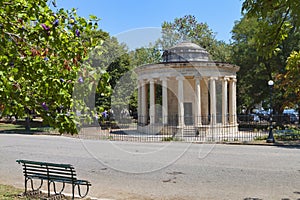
119,17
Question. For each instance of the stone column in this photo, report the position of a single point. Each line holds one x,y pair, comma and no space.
204,100
224,101
213,101
197,102
180,101
152,101
232,101
139,102
144,113
165,101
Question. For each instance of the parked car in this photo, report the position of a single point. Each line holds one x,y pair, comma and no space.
263,114
249,118
292,115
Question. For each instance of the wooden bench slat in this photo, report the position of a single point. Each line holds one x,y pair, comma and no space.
47,167
52,177
49,172
44,163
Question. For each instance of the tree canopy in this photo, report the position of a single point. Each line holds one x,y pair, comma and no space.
278,36
42,52
188,28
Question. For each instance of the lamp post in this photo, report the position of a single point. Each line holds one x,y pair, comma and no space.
270,138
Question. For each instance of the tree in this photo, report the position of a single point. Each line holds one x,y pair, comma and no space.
257,68
115,61
145,55
274,33
251,75
42,52
290,80
274,29
188,28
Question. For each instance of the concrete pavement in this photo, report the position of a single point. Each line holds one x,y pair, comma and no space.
165,170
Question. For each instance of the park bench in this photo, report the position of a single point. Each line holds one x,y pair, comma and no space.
52,173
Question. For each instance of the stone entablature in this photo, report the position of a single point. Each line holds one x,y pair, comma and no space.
186,69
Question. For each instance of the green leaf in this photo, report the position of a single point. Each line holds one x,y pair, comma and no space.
93,17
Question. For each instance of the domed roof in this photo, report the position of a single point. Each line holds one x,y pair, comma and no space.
185,52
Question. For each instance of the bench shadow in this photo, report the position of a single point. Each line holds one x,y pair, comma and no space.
289,145
255,198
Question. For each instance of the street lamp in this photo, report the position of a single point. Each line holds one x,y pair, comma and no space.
270,138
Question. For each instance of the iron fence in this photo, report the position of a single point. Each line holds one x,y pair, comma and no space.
245,128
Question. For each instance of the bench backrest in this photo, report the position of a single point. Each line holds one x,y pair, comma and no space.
49,171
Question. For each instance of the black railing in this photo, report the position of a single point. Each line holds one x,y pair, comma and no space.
225,128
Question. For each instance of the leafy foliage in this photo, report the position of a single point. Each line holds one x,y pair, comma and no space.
278,18
188,28
279,36
41,53
251,76
290,80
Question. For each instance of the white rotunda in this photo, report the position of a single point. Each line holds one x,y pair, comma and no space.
187,92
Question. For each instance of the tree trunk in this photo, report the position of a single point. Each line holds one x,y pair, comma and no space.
27,122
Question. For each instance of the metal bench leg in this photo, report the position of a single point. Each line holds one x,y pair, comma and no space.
26,179
73,190
31,182
54,188
48,182
86,192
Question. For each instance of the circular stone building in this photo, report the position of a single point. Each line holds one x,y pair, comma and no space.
187,94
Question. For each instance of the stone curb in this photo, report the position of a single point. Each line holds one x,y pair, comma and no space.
280,144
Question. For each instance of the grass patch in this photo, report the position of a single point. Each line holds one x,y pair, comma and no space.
19,127
8,192
264,137
6,126
287,135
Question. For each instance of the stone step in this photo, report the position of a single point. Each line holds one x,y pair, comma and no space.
189,131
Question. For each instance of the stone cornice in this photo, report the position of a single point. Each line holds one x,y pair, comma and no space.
186,69
197,65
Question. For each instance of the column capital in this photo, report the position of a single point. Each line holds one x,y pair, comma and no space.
198,77
233,78
151,80
213,78
164,78
197,81
143,80
180,78
225,78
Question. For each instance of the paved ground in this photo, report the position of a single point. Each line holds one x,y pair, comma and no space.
127,170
